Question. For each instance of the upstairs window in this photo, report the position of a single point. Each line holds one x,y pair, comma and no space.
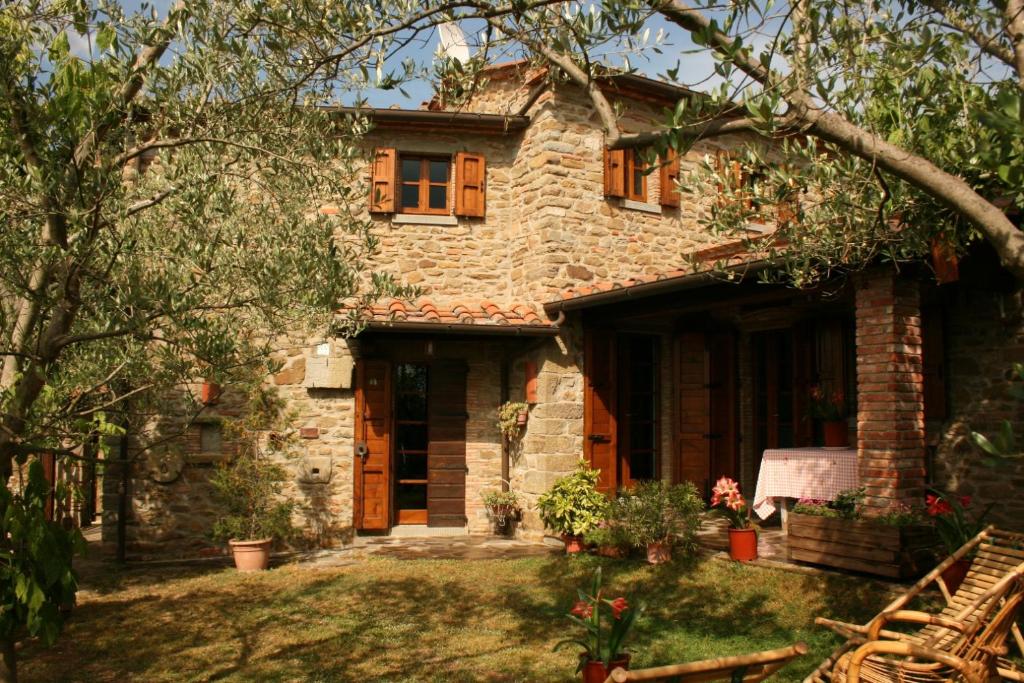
424,184
636,176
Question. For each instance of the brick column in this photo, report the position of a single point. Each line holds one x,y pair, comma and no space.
890,391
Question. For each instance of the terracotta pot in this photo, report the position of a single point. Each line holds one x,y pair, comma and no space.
209,392
945,262
743,544
597,672
659,553
573,544
251,556
836,434
522,417
955,574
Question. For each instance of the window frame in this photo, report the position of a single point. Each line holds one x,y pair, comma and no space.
424,184
635,167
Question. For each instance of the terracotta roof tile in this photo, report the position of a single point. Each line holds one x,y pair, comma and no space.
426,311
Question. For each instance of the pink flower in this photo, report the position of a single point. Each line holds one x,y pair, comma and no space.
619,605
735,502
582,609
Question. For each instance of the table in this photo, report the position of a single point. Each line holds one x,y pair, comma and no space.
818,473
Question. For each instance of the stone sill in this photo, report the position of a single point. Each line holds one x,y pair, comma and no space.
423,219
646,207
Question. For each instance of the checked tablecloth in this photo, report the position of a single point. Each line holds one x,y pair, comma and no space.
818,473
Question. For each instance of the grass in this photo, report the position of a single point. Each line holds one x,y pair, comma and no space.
429,620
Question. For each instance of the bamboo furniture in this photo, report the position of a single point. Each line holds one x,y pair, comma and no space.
749,668
966,640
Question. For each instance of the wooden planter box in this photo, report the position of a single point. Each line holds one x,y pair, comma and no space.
897,552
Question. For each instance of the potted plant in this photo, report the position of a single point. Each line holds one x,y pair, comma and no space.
727,500
610,538
659,516
502,509
602,639
955,524
573,506
209,393
831,410
512,418
248,488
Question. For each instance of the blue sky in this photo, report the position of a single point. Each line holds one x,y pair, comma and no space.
697,66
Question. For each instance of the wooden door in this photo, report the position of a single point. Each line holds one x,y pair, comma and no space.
723,427
446,474
599,423
693,457
410,463
372,489
639,431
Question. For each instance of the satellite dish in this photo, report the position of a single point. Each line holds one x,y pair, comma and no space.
452,42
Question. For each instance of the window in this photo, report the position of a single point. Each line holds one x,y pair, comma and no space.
424,184
636,176
211,438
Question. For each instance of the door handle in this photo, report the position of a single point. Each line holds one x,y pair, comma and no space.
362,450
599,438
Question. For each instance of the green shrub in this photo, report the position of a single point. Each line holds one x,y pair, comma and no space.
656,512
248,488
573,505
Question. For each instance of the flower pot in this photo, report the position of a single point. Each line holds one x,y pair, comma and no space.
743,544
944,261
612,551
597,672
522,417
209,392
573,544
836,434
954,574
659,553
251,556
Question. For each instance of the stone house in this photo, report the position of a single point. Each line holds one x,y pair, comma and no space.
554,272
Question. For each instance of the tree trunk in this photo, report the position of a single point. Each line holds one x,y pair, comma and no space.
9,667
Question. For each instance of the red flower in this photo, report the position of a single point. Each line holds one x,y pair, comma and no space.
937,506
619,605
965,501
582,609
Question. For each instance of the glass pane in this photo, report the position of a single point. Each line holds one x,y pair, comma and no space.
641,407
411,496
411,196
439,171
411,407
410,170
641,466
641,436
411,378
638,183
642,350
785,435
411,438
438,196
411,466
643,379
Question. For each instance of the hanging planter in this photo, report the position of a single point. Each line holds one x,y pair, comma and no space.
512,419
209,393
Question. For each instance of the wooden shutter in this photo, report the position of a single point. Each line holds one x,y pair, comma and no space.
615,173
670,179
372,485
470,185
382,186
933,357
446,452
600,442
693,455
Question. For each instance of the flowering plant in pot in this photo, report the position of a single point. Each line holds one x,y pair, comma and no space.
727,501
602,640
610,538
512,418
830,408
573,506
955,524
502,508
660,516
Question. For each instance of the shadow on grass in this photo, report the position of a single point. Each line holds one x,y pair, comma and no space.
387,620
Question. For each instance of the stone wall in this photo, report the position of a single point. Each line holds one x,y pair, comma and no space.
984,336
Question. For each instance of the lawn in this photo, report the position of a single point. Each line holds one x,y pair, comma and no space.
428,620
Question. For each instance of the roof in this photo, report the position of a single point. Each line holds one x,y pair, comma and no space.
484,317
449,120
733,256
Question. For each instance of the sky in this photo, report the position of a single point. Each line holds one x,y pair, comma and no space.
696,65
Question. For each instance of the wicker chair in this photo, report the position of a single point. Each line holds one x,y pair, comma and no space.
750,668
967,640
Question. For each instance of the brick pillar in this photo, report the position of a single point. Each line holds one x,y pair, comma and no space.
890,391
